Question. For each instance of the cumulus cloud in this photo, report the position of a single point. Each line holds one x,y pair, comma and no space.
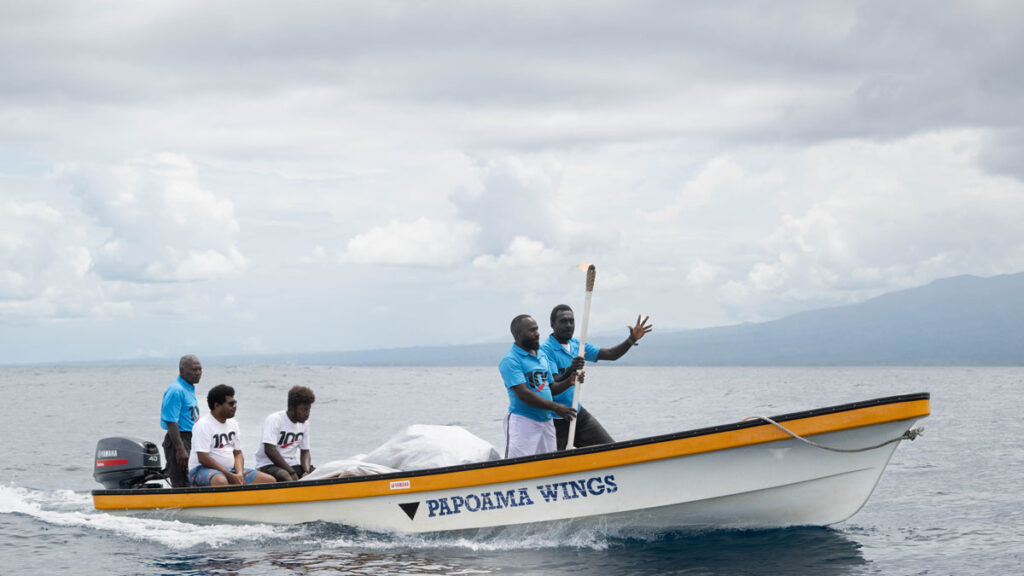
521,252
701,274
25,241
727,161
516,199
901,223
423,242
45,262
719,180
162,225
316,257
814,244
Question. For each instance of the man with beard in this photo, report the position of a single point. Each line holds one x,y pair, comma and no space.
563,351
530,384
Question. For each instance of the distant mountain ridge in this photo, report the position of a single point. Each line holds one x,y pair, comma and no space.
963,320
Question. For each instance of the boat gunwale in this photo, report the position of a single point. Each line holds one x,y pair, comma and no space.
743,424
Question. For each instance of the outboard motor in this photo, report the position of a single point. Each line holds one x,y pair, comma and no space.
123,463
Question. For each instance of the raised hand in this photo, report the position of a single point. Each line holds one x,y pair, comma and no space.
642,327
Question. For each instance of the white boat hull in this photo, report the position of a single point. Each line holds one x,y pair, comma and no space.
763,481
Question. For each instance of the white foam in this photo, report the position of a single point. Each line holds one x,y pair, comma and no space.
67,508
594,537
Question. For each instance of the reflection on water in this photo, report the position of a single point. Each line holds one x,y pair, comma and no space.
250,562
794,551
338,550
200,564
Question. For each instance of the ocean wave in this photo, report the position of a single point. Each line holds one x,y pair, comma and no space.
72,509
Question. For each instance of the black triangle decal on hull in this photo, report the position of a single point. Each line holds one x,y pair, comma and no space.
410,509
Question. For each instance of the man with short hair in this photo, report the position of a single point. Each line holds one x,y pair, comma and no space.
179,411
563,353
284,450
530,384
216,458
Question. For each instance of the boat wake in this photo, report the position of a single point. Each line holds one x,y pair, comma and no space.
548,536
74,510
70,509
323,540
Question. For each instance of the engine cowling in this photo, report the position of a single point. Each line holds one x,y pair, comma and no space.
125,463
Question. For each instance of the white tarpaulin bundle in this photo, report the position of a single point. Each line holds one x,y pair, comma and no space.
418,447
422,446
349,467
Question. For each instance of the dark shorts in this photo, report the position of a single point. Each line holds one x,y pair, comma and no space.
201,475
273,470
177,475
589,431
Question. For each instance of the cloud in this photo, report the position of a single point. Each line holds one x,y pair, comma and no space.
1002,152
702,274
815,244
24,241
887,216
522,252
501,75
423,242
516,199
719,162
316,257
162,225
718,181
43,257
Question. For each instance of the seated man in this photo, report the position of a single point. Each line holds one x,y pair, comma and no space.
216,457
284,450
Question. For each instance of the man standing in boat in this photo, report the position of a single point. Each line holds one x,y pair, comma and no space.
530,384
284,448
562,351
178,412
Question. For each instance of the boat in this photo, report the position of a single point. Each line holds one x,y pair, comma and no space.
816,467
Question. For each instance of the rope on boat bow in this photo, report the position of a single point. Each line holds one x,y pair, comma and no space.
908,435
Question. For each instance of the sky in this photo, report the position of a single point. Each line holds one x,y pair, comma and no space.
264,177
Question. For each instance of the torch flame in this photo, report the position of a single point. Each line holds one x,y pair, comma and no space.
591,275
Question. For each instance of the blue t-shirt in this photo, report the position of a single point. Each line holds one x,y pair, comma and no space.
559,358
520,367
179,405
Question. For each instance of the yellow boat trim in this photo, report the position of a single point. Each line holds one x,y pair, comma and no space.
583,462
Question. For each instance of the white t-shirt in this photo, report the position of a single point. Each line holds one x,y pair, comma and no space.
288,436
219,440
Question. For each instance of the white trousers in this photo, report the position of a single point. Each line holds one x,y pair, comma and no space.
526,436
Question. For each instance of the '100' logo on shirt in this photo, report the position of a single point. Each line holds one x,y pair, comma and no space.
538,379
222,440
288,438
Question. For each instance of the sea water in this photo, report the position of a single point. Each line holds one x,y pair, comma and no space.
951,502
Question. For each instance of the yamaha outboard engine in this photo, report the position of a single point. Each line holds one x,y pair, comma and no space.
127,463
